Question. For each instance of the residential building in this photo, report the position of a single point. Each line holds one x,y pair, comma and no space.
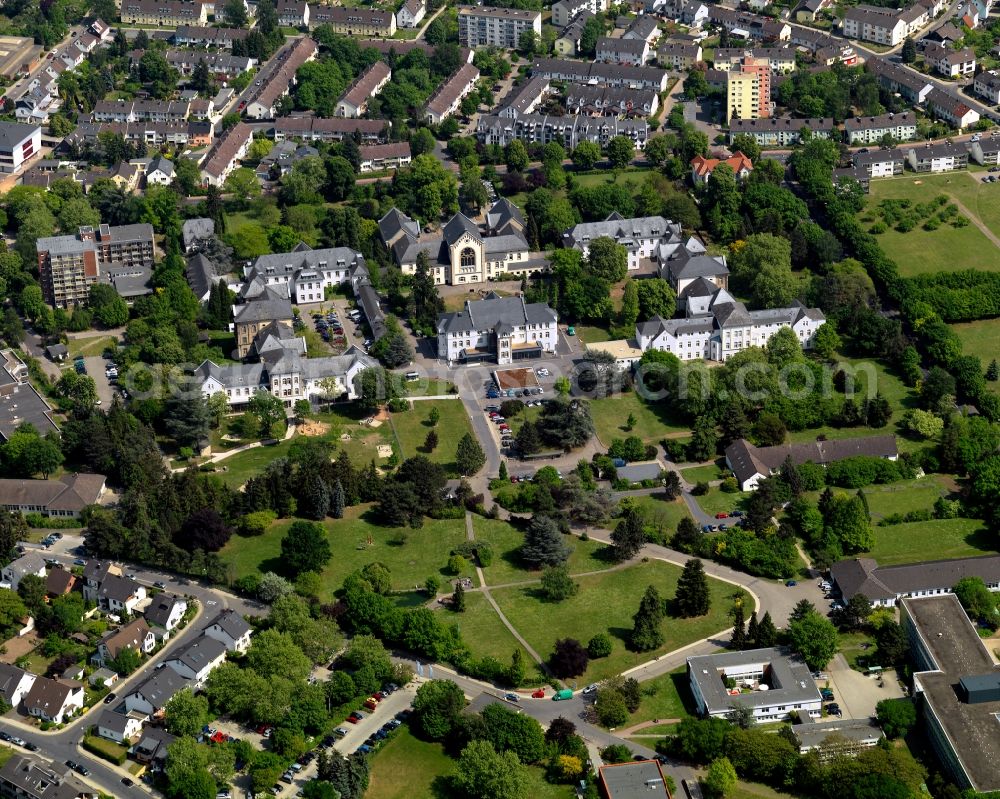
985,153
750,26
94,573
163,13
702,168
201,276
354,21
225,155
837,738
461,252
525,98
141,111
688,267
122,728
871,130
680,56
750,463
117,594
293,13
623,51
501,329
196,660
778,59
250,317
200,36
886,586
625,352
564,11
956,684
951,108
607,74
160,172
639,235
152,694
897,78
780,131
645,28
448,97
567,130
883,26
643,779
941,157
880,163
231,629
65,497
489,26
59,582
20,403
382,157
568,41
987,85
593,100
276,78
14,683
196,232
28,777
53,700
808,10
17,569
947,61
354,101
69,265
221,65
319,129
153,745
779,684
411,13
18,144
748,90
165,611
301,276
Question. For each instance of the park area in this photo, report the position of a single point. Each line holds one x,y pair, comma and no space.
946,248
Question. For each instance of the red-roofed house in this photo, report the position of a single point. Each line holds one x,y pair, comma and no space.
702,168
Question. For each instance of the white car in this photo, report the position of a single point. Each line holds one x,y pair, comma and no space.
590,688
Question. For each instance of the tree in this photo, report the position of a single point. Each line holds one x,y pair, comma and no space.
607,259
515,156
992,371
815,638
188,418
458,598
620,151
569,658
431,441
31,589
242,183
896,717
586,155
186,713
656,298
437,707
235,14
421,141
629,535
909,52
305,547
273,653
767,633
204,529
979,603
738,641
543,543
891,644
599,646
826,341
693,597
610,706
483,773
646,633
268,409
557,585
721,778
469,457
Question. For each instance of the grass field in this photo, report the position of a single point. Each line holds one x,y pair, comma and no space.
981,339
425,551
666,697
606,603
412,428
483,631
933,540
947,248
588,556
665,515
705,474
408,768
718,501
90,346
653,419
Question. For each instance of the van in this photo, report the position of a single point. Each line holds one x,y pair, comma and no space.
565,693
412,376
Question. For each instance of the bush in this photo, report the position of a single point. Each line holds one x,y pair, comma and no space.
730,486
700,489
256,523
600,646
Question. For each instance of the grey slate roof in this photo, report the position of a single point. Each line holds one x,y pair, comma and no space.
865,576
632,47
747,460
10,677
458,226
395,222
201,275
502,212
159,610
494,312
199,653
269,306
161,687
231,623
624,231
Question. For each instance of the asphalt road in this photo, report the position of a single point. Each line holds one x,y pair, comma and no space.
63,744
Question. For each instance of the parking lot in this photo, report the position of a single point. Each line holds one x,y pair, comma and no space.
858,694
532,395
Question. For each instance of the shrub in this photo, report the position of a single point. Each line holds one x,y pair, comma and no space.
600,646
700,489
730,486
256,523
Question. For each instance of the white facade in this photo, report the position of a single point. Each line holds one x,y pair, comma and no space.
987,86
504,329
872,26
487,26
639,235
411,13
871,130
18,143
564,10
16,570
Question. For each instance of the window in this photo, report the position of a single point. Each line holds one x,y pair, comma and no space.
468,257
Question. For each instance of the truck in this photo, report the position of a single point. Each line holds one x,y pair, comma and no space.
565,693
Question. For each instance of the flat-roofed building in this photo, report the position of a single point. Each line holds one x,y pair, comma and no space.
18,144
18,55
957,687
641,779
489,26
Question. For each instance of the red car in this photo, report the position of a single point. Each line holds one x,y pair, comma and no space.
539,694
353,719
721,515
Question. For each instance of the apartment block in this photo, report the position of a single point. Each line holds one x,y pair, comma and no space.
487,26
748,90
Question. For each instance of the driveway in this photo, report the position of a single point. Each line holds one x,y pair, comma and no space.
856,693
95,368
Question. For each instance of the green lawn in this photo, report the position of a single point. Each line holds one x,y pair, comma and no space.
981,339
408,768
425,551
606,603
933,540
412,427
90,346
705,474
947,248
483,631
591,334
654,420
507,567
665,515
666,697
239,468
718,501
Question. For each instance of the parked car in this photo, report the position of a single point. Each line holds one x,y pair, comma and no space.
539,694
565,693
721,515
791,583
512,697
110,698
